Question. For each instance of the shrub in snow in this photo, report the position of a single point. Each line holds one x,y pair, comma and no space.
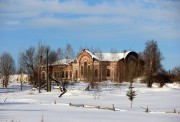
31,93
33,89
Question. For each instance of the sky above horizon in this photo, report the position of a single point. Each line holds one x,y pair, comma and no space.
104,24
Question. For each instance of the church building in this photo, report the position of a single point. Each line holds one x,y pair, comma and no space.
93,67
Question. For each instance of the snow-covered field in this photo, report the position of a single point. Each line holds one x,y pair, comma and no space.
30,106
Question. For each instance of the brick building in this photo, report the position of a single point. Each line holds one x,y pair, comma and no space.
92,67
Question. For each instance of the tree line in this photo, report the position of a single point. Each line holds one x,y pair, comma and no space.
32,58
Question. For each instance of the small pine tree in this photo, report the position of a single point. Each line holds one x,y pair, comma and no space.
131,93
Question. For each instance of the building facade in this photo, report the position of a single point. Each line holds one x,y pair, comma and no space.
92,67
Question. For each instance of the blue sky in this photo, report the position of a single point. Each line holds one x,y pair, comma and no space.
119,24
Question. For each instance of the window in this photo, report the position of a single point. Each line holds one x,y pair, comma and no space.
70,74
55,74
76,74
81,71
85,69
96,73
59,74
62,74
108,72
88,73
89,69
66,74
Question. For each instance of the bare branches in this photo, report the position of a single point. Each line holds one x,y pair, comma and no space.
7,67
152,58
176,73
69,52
53,56
60,53
33,58
28,59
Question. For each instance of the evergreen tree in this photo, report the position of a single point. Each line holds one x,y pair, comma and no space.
131,93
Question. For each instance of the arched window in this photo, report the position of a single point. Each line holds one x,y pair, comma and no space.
108,72
55,74
96,73
89,69
62,74
85,69
76,74
59,74
66,74
88,73
70,74
81,71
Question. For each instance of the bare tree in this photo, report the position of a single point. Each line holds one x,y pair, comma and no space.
60,53
28,59
41,52
176,73
114,55
152,58
40,60
69,52
20,70
79,50
53,56
91,49
7,67
33,59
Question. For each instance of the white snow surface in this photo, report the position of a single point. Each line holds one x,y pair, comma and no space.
112,56
63,62
30,106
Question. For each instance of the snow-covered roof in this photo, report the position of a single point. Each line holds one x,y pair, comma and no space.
111,56
108,56
63,62
98,56
92,55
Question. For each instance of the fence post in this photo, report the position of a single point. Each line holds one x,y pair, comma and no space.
113,107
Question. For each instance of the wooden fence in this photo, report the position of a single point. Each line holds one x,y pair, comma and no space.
93,106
